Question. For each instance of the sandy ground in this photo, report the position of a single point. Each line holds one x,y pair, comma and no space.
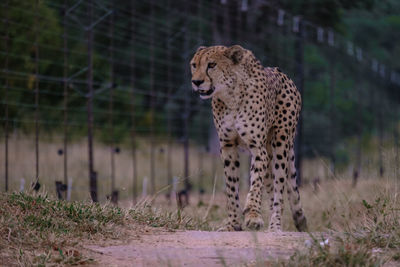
200,248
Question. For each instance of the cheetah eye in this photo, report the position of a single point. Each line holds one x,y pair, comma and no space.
211,65
193,65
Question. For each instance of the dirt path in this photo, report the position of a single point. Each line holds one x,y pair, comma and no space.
198,248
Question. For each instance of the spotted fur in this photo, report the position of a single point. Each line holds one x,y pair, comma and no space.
257,108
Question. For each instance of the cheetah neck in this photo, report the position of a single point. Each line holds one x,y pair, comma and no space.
247,75
229,98
233,97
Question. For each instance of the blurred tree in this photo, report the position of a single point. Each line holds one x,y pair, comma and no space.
26,22
326,13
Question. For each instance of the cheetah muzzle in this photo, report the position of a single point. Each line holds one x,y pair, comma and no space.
257,108
208,92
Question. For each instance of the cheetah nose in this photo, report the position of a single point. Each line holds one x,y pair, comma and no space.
197,82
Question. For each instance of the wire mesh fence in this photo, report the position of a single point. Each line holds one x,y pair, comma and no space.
95,95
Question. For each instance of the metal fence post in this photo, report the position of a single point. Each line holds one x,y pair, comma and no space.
396,148
133,130
358,150
111,104
226,24
381,124
6,99
89,33
186,112
332,113
65,83
396,137
152,103
169,119
36,185
299,55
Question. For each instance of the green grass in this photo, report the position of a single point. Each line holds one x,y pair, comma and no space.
37,230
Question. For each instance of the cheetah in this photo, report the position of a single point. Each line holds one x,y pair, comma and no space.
257,108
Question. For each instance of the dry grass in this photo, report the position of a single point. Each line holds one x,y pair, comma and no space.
22,165
37,230
335,205
364,221
372,238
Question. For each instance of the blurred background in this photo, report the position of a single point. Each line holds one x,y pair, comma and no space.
95,96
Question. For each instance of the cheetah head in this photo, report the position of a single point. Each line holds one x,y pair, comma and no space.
214,69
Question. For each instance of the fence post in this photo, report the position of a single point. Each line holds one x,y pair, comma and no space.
169,119
111,102
201,173
22,185
144,186
36,185
186,112
65,83
133,133
332,114
92,174
226,24
152,102
242,21
396,147
396,137
299,54
69,189
6,98
358,154
380,131
215,33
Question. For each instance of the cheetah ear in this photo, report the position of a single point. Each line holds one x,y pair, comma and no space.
200,48
235,53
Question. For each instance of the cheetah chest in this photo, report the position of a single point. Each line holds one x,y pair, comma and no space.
246,127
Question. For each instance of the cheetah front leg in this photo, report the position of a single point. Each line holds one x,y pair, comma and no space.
230,158
253,219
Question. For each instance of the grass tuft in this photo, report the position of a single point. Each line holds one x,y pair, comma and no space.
370,242
37,230
146,213
345,254
381,228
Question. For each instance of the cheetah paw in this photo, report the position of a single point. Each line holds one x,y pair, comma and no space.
253,220
301,224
